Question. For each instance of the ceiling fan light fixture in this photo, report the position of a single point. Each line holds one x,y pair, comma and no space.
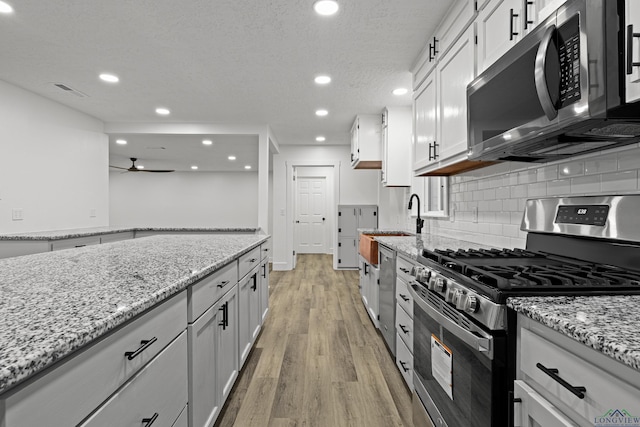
326,7
140,167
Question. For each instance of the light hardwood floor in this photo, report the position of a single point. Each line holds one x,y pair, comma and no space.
318,361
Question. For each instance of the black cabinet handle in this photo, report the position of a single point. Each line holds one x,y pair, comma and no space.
252,260
80,246
404,270
365,269
404,329
264,271
254,286
225,315
223,283
144,344
527,3
148,421
511,32
630,38
404,367
404,297
553,373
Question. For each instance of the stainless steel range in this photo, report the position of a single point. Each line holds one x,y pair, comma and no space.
464,335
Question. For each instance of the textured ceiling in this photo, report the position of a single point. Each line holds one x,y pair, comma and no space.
232,62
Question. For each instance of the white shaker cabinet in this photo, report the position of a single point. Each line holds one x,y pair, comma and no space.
369,289
366,142
350,219
632,51
396,147
425,119
534,410
499,28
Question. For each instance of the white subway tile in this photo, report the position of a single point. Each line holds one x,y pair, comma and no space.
519,191
516,218
620,181
487,217
496,229
559,187
589,184
503,217
570,169
478,195
490,194
467,196
510,179
472,185
495,206
503,193
547,173
484,228
518,243
483,205
511,230
601,164
537,189
629,159
511,205
527,176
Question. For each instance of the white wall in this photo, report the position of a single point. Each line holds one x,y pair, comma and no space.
499,192
53,164
392,208
184,199
355,187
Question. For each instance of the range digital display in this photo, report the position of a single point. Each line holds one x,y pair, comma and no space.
583,214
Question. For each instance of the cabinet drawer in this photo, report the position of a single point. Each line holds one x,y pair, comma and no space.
69,392
248,261
78,242
158,393
403,269
404,327
603,391
116,237
183,419
404,361
204,293
265,250
403,297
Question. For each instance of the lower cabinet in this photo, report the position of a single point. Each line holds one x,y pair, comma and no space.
369,289
155,396
213,359
404,320
250,313
535,410
264,289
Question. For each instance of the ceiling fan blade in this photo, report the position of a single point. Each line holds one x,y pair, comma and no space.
118,167
155,170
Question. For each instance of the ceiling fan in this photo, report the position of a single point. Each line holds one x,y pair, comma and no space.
134,168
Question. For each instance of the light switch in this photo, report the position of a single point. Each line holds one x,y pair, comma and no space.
92,213
16,214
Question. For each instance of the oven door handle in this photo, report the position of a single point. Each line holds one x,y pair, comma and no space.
477,338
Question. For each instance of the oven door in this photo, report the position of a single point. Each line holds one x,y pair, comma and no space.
460,372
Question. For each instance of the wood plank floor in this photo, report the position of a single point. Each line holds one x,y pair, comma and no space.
319,361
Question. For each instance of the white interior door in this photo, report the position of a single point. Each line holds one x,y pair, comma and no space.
310,215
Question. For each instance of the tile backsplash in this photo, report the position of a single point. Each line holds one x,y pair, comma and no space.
486,205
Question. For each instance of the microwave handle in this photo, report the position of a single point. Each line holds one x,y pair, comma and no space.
540,76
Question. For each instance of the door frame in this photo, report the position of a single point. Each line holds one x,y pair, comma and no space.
291,166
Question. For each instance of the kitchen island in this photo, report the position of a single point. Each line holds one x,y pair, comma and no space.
57,304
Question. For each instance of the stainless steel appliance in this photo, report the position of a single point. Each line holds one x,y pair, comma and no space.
464,336
387,297
560,91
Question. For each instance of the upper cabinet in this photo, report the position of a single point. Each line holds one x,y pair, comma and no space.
632,73
366,142
396,147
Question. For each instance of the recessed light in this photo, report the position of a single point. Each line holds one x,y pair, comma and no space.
400,91
163,111
247,167
326,7
231,157
321,113
322,80
320,138
207,142
140,166
121,141
194,167
109,78
5,7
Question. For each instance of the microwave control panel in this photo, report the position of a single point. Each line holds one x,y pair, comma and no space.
582,214
569,53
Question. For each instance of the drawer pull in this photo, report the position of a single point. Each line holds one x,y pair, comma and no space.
553,373
80,246
404,270
404,367
404,329
252,260
148,421
404,297
223,284
225,315
144,344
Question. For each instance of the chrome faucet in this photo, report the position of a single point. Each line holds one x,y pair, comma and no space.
419,221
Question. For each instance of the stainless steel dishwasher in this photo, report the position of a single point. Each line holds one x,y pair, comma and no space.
387,296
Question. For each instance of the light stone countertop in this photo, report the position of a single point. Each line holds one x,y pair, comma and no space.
54,303
411,246
608,324
96,231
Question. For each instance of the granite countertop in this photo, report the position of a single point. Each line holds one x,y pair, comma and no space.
411,246
53,303
96,231
608,324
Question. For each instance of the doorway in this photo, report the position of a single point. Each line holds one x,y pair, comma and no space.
311,215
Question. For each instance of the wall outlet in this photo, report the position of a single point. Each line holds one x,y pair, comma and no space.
17,214
475,214
92,213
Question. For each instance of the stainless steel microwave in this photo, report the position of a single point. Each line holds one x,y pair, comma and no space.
560,91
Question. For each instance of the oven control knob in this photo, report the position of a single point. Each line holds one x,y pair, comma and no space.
440,284
423,275
472,304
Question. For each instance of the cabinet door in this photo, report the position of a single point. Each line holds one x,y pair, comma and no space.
424,122
355,145
347,221
385,146
454,72
347,252
535,411
264,290
374,291
227,345
499,28
255,313
368,217
244,320
632,26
